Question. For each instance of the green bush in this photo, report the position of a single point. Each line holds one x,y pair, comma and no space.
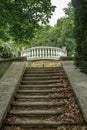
7,50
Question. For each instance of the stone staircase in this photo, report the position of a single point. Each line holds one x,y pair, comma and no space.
40,101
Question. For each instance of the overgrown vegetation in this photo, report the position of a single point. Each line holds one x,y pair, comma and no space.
81,33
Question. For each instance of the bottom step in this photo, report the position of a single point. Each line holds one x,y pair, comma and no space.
39,123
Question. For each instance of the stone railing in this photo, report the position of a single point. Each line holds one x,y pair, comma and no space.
43,52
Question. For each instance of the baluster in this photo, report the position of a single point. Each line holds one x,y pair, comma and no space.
51,52
43,52
31,53
34,52
28,53
56,52
48,52
37,52
40,52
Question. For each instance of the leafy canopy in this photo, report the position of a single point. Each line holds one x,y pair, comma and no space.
20,17
60,35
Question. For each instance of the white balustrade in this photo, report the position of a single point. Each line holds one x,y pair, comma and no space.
42,52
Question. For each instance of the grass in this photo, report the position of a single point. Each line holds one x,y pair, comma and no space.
3,67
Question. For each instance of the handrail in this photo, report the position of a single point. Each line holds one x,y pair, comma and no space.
43,52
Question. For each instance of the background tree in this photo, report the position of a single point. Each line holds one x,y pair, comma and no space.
20,17
60,35
81,33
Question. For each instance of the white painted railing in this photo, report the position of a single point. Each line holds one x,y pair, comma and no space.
43,52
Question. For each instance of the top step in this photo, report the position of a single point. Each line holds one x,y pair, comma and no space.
42,68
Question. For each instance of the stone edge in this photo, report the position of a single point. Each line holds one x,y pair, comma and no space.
74,86
8,86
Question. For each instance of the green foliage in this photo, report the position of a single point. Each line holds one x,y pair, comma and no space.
81,33
7,50
60,35
20,18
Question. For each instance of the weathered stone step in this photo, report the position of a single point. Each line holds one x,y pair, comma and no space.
43,75
37,104
41,97
26,87
42,68
41,82
44,72
41,123
43,78
58,85
40,91
34,113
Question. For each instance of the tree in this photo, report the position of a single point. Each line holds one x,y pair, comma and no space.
81,33
20,17
60,35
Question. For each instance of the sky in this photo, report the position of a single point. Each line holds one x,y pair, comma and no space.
60,4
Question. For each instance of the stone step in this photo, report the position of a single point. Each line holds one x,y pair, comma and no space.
41,82
34,113
37,104
41,123
43,78
41,97
40,91
39,87
42,68
44,72
43,75
58,85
